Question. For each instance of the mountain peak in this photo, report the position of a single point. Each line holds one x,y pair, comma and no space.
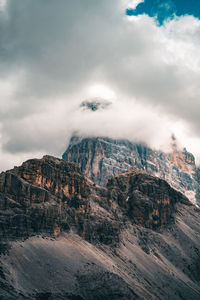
102,158
114,242
95,104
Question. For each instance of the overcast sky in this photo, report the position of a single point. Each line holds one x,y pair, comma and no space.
143,56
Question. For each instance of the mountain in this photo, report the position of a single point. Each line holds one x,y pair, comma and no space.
100,158
64,237
95,104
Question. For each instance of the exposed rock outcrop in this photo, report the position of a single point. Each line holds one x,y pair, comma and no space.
51,195
63,237
40,195
102,158
147,200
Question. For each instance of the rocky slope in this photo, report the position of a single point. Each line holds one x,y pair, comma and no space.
63,237
49,196
101,158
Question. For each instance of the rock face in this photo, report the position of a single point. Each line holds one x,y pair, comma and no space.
51,196
147,200
102,158
34,197
63,237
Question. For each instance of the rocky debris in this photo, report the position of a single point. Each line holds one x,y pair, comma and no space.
63,237
146,265
101,158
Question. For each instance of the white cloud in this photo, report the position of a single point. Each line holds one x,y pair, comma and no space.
3,4
100,90
130,3
93,49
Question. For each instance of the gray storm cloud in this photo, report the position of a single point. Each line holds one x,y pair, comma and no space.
52,52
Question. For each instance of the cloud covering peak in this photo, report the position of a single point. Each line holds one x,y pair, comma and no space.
56,54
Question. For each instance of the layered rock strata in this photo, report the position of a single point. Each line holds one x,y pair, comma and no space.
63,237
102,158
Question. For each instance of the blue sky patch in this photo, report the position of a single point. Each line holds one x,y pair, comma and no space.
164,9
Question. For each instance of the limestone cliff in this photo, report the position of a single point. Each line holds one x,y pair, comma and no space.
34,197
50,195
102,158
63,237
147,200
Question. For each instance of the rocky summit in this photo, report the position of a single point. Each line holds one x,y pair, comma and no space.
64,237
101,158
95,104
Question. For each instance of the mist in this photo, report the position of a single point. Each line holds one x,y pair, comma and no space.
56,54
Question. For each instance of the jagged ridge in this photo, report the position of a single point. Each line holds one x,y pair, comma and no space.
108,243
102,158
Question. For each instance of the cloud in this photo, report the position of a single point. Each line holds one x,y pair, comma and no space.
53,54
3,5
131,3
128,120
